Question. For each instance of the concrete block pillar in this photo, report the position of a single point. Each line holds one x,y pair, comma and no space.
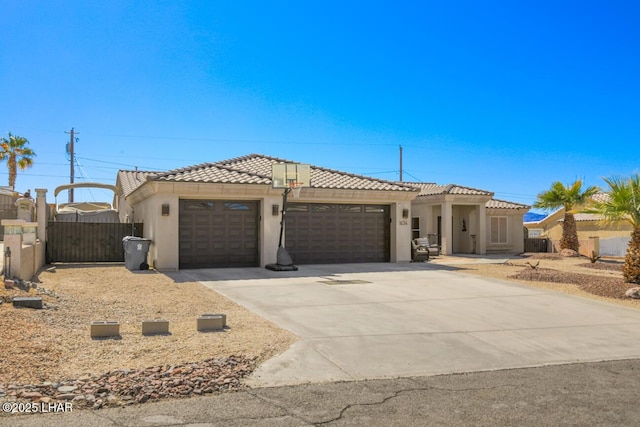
13,242
41,214
29,233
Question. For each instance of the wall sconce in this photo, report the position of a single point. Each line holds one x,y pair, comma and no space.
405,213
464,225
275,210
165,209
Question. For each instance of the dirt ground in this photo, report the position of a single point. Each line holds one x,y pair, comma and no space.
55,343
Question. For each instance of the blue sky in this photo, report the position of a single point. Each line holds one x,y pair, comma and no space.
499,95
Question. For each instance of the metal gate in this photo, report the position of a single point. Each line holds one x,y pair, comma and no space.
88,242
532,244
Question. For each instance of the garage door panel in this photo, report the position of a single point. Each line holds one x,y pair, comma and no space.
326,233
218,233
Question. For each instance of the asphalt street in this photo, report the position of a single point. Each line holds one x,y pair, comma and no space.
588,394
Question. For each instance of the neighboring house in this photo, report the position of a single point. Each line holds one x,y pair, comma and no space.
478,223
613,236
227,214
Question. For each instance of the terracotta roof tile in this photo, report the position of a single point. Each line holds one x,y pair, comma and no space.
320,177
130,180
430,189
256,169
212,172
503,204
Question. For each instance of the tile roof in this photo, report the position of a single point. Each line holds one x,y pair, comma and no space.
130,180
320,177
579,217
503,204
256,169
212,172
430,189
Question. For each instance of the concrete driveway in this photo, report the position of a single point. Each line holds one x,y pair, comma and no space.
362,321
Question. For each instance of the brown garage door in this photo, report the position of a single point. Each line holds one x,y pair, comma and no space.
218,233
331,233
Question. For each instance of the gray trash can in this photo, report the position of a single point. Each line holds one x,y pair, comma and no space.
135,252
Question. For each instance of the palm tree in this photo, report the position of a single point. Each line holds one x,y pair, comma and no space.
569,197
623,204
15,151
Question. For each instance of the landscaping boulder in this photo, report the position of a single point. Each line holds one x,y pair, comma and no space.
633,293
568,253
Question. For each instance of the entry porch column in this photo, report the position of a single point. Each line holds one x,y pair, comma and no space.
482,229
447,229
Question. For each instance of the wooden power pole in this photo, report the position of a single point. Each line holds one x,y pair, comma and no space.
70,150
401,163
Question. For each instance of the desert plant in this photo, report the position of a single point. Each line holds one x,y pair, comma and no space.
532,266
570,197
593,257
623,204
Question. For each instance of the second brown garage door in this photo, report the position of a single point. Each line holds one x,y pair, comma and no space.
218,233
332,233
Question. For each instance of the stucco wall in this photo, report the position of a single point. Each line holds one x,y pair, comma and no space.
515,232
400,232
588,229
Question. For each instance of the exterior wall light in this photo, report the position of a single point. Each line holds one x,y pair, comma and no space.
275,209
165,209
405,213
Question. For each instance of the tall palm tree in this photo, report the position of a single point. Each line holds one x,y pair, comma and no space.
623,204
15,151
570,198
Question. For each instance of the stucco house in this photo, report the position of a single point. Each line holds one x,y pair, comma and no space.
613,237
227,214
479,223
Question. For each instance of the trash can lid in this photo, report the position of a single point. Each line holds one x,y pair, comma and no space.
128,238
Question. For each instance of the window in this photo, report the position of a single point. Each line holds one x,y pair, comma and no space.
350,208
499,229
199,205
236,206
415,227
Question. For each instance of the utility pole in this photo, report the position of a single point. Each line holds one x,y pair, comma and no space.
70,152
401,163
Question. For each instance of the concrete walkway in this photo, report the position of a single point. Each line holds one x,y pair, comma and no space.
362,321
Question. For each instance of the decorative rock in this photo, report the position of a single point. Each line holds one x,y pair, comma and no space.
31,395
125,387
66,396
568,253
9,284
633,293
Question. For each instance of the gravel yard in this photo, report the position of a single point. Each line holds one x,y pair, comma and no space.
54,344
573,275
